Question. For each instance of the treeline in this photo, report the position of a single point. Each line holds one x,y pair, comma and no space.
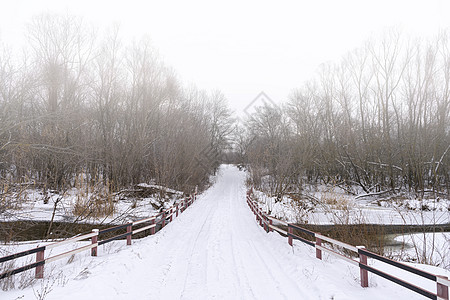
377,121
77,103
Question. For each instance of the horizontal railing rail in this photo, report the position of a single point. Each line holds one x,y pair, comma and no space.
163,216
268,222
21,254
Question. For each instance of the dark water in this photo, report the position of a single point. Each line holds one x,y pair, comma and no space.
374,237
37,230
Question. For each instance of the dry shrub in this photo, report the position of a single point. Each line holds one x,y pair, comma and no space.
7,283
97,203
11,198
21,280
95,206
336,201
302,207
368,235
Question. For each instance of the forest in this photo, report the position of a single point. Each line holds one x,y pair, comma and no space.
374,123
80,104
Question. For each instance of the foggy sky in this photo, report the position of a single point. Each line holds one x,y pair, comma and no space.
242,47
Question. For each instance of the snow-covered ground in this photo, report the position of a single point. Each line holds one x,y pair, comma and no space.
215,250
333,206
31,206
430,248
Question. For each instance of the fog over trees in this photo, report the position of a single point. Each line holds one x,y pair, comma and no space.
81,102
377,121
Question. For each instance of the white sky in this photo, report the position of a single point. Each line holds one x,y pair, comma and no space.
243,47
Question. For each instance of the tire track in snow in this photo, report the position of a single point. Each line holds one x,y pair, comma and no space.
238,262
223,251
241,272
201,231
164,261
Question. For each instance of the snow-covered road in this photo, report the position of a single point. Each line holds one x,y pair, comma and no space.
214,250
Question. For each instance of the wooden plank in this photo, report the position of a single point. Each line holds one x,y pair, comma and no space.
333,241
443,281
75,251
114,238
302,229
143,220
71,240
399,281
143,228
114,228
23,253
296,237
343,257
398,264
279,221
22,269
278,229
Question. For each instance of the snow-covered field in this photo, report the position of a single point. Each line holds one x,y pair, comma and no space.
429,248
31,206
333,206
215,250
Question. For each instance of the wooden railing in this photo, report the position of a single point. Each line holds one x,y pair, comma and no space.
132,228
317,239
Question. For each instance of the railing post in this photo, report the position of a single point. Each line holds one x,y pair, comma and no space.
171,214
163,220
290,231
153,229
94,240
129,231
266,224
260,218
177,209
318,251
442,290
195,193
270,223
363,273
39,269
